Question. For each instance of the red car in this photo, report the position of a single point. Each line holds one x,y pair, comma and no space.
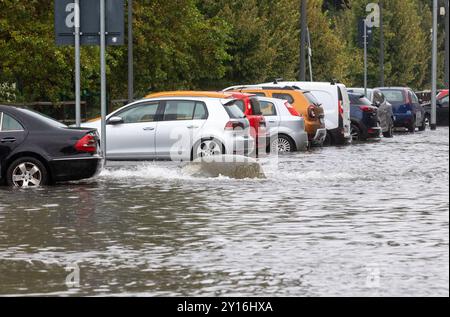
249,104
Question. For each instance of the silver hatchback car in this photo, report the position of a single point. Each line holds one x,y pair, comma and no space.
177,129
287,132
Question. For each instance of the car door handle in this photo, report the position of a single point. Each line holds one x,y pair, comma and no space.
8,140
192,127
149,129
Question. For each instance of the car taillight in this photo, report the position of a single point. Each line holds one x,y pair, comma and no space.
234,125
292,110
312,112
367,109
87,144
341,109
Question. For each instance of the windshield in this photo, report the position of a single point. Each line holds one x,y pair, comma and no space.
43,118
395,97
234,110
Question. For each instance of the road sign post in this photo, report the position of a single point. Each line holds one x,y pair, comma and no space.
103,76
77,65
434,67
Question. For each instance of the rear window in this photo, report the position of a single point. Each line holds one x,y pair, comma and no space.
43,118
311,98
394,96
287,97
359,100
233,109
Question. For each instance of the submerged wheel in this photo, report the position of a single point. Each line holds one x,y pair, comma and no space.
356,133
27,172
389,133
282,144
207,148
425,122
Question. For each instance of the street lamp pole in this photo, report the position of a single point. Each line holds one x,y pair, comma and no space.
303,39
130,53
434,66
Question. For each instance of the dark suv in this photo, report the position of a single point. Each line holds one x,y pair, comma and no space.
364,118
407,109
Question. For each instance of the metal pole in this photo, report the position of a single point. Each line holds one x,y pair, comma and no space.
446,44
310,57
304,25
130,53
381,45
103,75
77,65
434,66
365,57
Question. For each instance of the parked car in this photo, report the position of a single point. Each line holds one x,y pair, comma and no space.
385,110
176,128
364,117
336,104
408,112
303,102
442,114
287,128
37,151
248,104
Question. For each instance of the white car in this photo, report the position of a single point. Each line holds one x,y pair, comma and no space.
287,132
336,104
176,129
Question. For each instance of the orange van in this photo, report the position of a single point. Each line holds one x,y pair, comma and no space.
303,101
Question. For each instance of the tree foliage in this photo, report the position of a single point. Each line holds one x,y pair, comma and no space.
209,44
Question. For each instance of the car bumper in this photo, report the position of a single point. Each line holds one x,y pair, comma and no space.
374,133
72,169
240,145
301,140
319,137
403,120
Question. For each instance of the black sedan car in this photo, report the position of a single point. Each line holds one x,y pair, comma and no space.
442,113
36,150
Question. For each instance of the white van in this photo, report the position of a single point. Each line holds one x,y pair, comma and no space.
336,104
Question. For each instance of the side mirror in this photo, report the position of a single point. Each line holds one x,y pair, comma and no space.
115,120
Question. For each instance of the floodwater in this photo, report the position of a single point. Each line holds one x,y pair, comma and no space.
365,220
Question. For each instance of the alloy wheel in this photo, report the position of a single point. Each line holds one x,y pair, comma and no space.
26,175
281,145
209,148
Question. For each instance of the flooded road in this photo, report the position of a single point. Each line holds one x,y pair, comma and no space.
366,220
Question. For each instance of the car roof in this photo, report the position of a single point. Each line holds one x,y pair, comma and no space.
205,94
393,88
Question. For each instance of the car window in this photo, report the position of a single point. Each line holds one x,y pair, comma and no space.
8,123
414,98
394,96
200,113
268,108
141,113
42,118
179,110
378,97
240,104
311,98
359,100
256,107
234,110
287,97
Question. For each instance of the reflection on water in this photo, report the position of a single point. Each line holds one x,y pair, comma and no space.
370,219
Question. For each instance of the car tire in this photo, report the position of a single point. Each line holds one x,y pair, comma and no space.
390,133
423,127
357,134
207,148
27,172
412,127
282,144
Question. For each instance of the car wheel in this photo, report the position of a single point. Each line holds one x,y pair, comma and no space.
207,148
412,127
282,144
27,172
425,123
389,133
357,133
